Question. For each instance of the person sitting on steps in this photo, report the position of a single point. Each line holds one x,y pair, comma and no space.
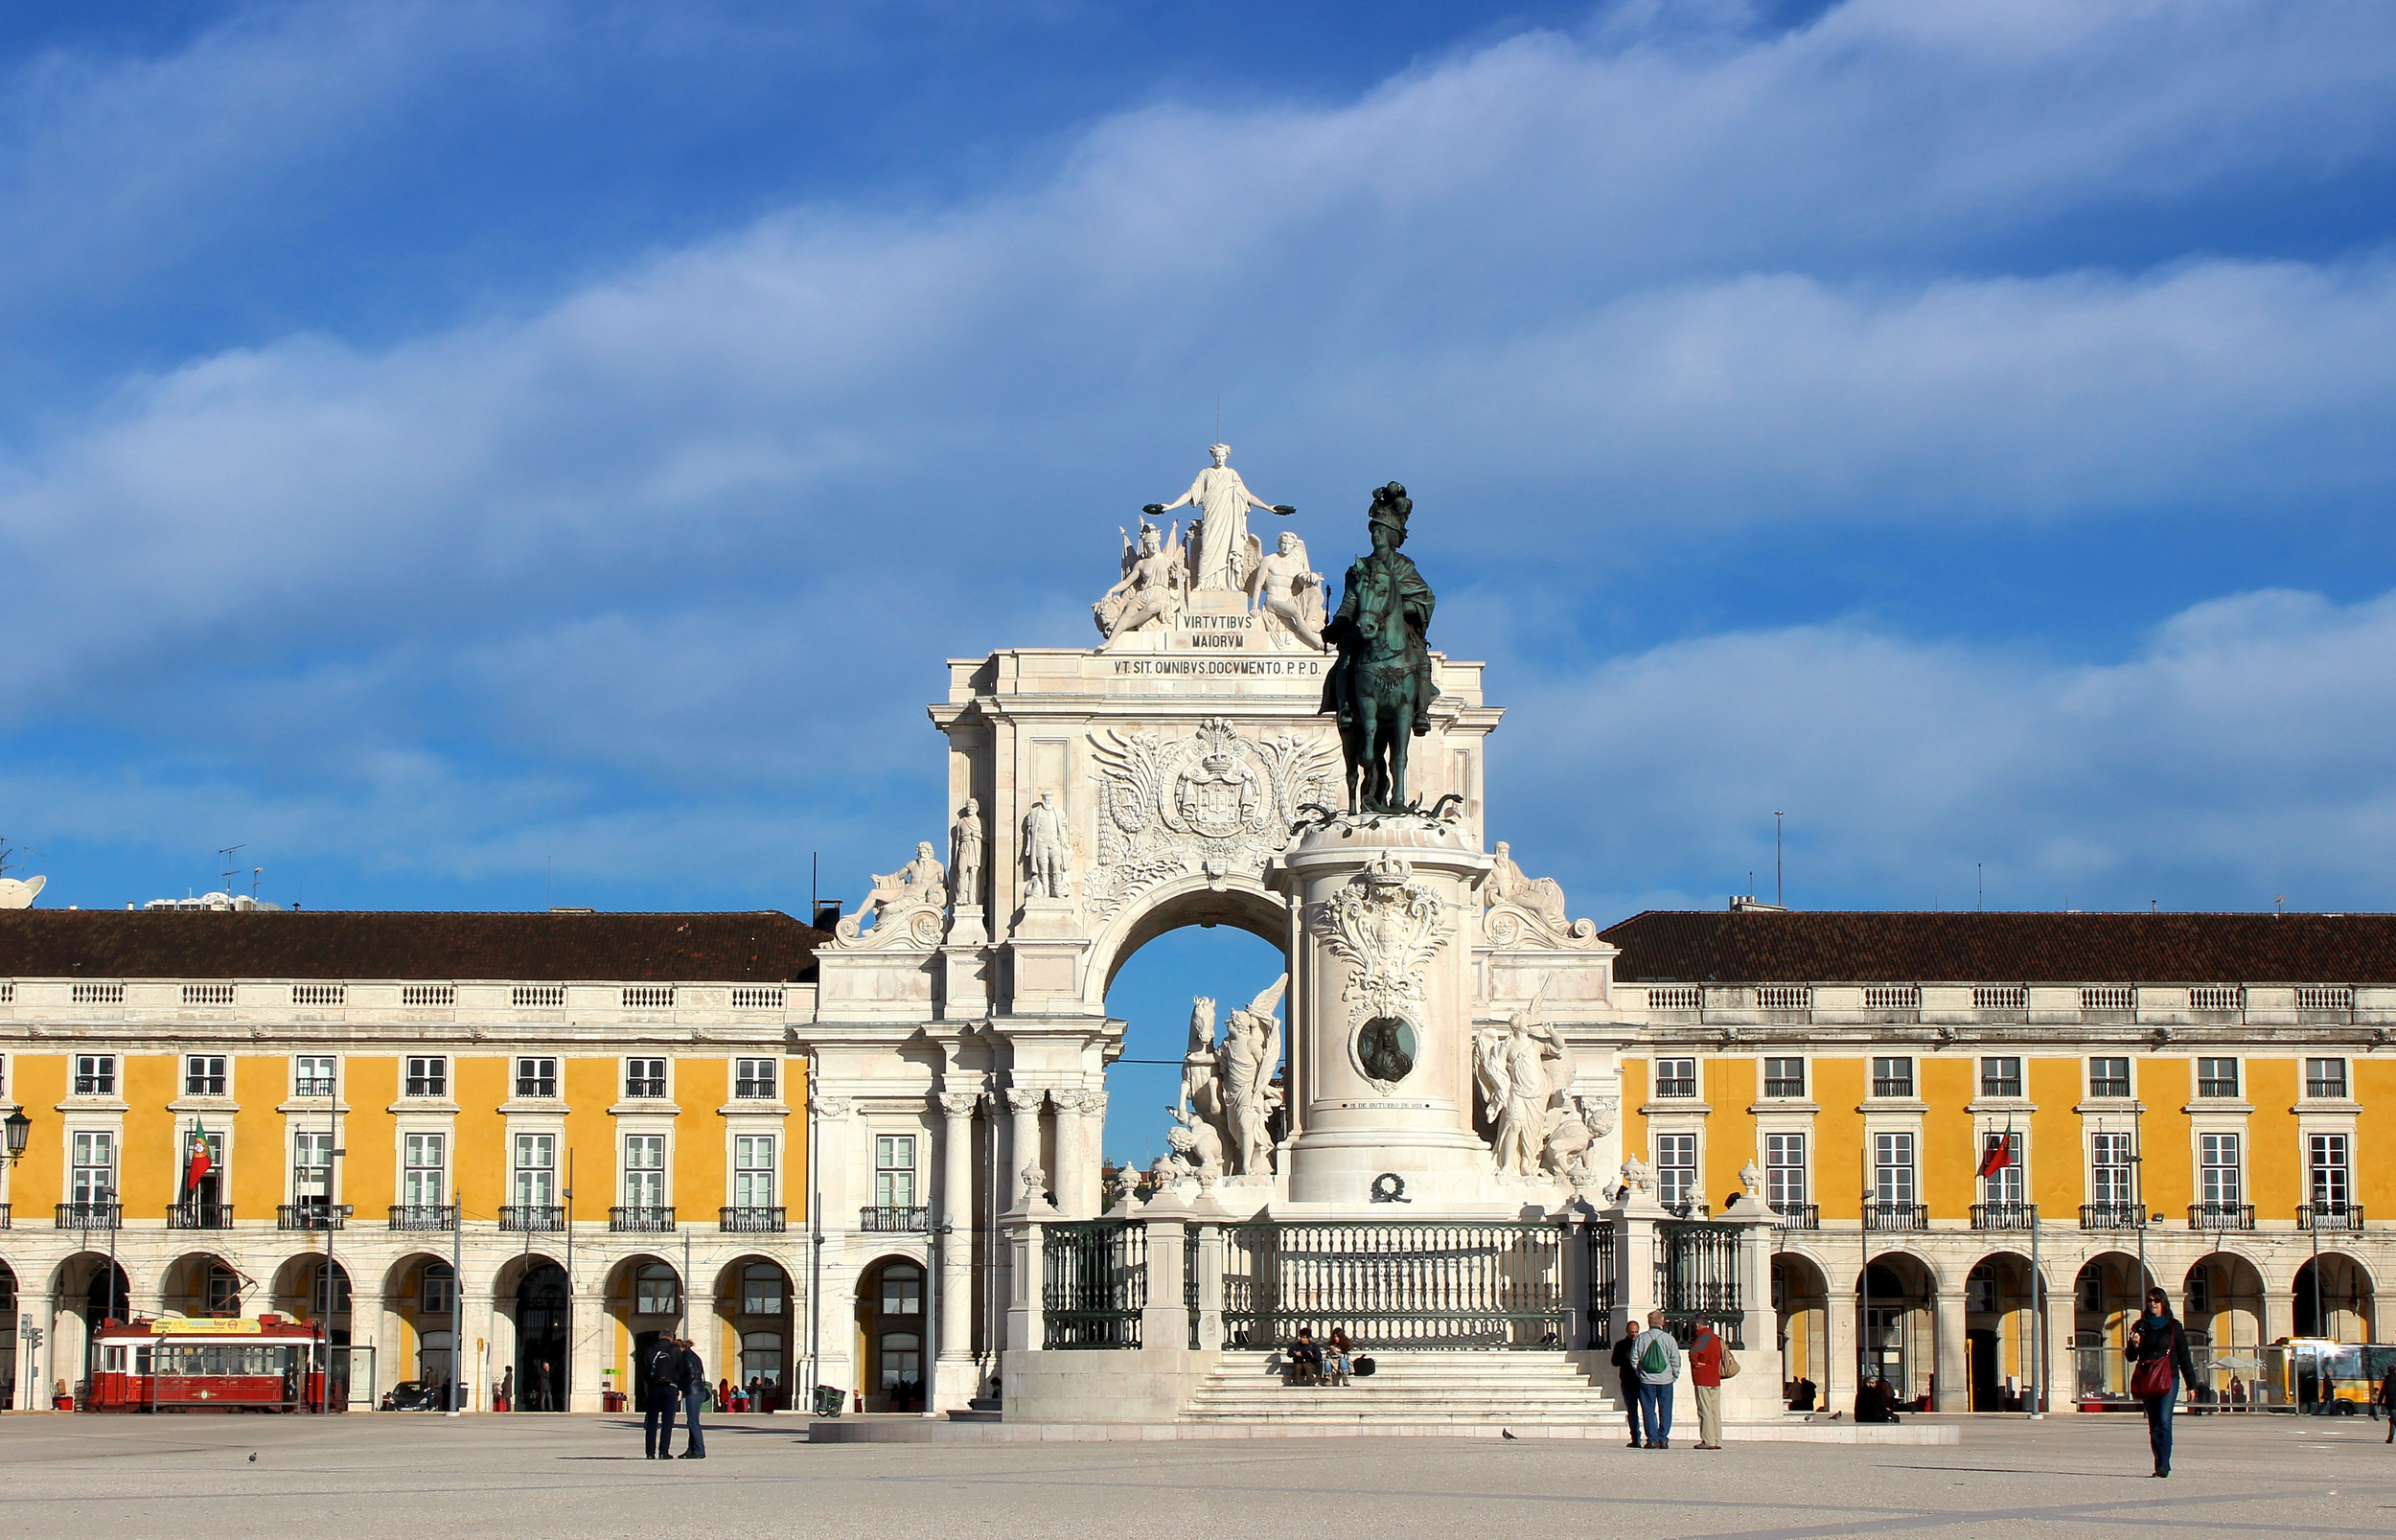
1306,1358
1338,1356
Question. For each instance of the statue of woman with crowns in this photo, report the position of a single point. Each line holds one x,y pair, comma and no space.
1223,500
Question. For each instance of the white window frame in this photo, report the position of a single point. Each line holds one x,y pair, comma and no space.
543,1071
537,1175
1896,1174
81,1143
1676,1178
2129,1079
751,1178
95,1075
308,1146
638,1078
2009,1187
1785,1177
415,1145
895,1181
1676,1080
207,1074
2329,1155
2110,1169
755,1079
2215,1190
644,1171
304,1083
434,1076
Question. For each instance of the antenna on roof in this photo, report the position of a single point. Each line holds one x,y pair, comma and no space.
226,855
7,850
1776,859
1980,888
2280,904
256,873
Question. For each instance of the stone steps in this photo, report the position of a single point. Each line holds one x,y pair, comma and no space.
1461,1388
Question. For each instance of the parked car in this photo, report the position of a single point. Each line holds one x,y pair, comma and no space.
415,1395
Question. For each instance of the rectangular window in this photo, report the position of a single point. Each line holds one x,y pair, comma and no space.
644,1171
761,1290
1893,1077
752,1171
536,1079
427,1076
2108,1077
753,1079
312,1169
440,1289
210,1187
314,1074
1675,1168
2328,1164
203,1074
94,1074
1785,1171
894,1171
425,1171
1675,1077
2000,1077
536,1170
1893,1168
2220,1175
2005,1185
94,1173
2218,1077
2326,1079
2108,1170
1784,1077
644,1078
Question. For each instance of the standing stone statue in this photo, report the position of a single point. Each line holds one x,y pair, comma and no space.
1380,689
1048,851
1223,500
965,853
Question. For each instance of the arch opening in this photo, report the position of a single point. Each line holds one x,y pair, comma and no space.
891,1338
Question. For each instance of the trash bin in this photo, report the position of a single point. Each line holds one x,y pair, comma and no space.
612,1400
829,1399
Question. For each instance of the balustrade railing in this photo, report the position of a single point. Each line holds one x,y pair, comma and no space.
893,1220
2220,1216
310,1215
532,1217
2328,1216
1798,1216
196,1215
1393,1284
640,1221
89,1215
1896,1216
1697,1278
2004,1216
2112,1216
423,1216
753,1220
1093,1283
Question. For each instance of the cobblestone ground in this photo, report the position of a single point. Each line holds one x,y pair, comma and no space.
362,1475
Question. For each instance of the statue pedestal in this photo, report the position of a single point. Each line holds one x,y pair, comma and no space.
1381,1016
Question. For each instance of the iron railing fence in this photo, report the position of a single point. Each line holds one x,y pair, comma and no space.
1896,1216
310,1215
1799,1216
641,1220
90,1215
423,1216
2004,1216
2220,1216
2325,1215
1393,1284
1191,1234
1093,1283
1697,1278
753,1220
532,1217
196,1215
2112,1216
1604,1277
893,1220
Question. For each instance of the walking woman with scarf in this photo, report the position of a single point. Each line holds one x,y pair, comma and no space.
2159,1365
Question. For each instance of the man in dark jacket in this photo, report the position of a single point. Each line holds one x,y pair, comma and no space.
694,1391
1626,1376
660,1372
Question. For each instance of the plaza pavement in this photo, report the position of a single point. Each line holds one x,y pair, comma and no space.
363,1476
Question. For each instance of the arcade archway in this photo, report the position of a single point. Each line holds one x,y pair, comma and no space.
891,1334
420,1320
755,1342
2332,1297
2001,1332
1801,1301
536,1306
2107,1296
1897,1299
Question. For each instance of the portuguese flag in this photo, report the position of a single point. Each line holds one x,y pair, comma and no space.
1999,1156
196,1160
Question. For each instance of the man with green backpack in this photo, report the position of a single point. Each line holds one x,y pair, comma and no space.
1658,1360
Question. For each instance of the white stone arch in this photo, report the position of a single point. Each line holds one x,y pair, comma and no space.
1192,900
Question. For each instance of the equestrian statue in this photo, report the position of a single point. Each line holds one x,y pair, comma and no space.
1380,688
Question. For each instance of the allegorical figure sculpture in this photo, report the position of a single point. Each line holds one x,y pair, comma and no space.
1228,1096
1380,689
1286,594
1151,589
966,838
921,880
1223,500
1048,851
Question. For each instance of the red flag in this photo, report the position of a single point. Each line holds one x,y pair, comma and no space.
2000,1153
197,1159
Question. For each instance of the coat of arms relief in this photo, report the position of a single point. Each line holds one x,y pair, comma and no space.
1210,803
1386,930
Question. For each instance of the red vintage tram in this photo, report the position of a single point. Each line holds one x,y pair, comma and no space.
208,1364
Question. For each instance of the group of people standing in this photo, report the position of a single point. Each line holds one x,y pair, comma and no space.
672,1379
1647,1364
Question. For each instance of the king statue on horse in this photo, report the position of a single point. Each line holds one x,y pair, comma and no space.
1380,688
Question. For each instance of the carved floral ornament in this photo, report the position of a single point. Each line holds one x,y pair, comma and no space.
1386,930
1210,802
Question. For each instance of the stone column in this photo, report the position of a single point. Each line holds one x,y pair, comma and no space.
591,1347
1953,1390
1022,1227
1094,1107
1070,1180
1755,1391
1023,1149
954,1372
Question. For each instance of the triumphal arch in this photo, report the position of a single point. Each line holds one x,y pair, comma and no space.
1450,1037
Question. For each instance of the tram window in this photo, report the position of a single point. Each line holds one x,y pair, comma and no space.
901,1290
115,1364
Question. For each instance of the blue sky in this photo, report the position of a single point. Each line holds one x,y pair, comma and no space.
446,443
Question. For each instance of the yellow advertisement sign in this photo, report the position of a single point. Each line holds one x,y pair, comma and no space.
204,1326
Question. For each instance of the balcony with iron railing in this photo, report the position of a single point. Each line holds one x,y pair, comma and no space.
423,1216
640,1220
1798,1216
1896,1216
90,1215
2220,1216
893,1220
751,1220
2112,1216
310,1215
2004,1216
3,1217
193,1214
2324,1215
532,1218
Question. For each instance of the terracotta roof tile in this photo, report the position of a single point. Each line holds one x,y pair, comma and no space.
1891,946
761,946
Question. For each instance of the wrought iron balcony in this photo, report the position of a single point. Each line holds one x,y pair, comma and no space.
751,1220
423,1216
310,1216
2112,1216
2324,1215
2220,1216
3,1217
90,1215
1799,1216
640,1221
894,1221
1896,1216
532,1218
2004,1216
196,1215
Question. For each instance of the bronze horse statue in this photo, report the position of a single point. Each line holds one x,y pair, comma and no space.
1380,688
